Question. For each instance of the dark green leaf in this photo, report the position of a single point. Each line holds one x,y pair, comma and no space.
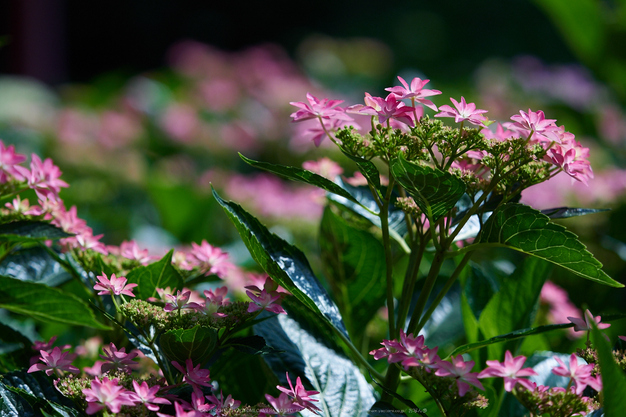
435,192
367,168
565,212
343,390
301,175
45,303
368,209
445,325
354,262
12,405
15,351
613,378
28,230
35,265
252,345
159,274
525,229
285,263
513,306
196,344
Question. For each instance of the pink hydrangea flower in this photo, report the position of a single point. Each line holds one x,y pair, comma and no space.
196,377
38,346
130,250
214,300
583,325
55,361
283,406
44,178
114,286
460,370
511,370
117,359
572,158
318,109
9,164
542,129
147,396
223,403
325,167
264,300
463,111
579,374
385,108
106,393
210,259
415,91
300,395
179,302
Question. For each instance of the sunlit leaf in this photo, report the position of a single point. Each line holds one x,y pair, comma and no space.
159,274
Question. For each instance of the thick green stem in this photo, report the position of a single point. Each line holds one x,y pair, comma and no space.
409,282
444,290
429,284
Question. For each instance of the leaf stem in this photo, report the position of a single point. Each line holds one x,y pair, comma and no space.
384,224
429,284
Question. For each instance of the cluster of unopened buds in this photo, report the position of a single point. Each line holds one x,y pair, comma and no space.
324,117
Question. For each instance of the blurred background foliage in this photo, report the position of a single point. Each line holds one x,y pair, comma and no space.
145,105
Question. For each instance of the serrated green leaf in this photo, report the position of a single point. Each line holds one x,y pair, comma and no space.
45,303
367,168
285,263
525,229
159,274
34,265
28,230
354,262
613,378
513,306
196,344
343,391
301,175
435,192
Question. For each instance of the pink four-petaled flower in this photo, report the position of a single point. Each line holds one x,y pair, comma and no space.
106,393
582,325
414,91
463,111
387,109
318,109
194,376
300,395
114,285
511,370
147,395
579,374
117,359
56,360
460,370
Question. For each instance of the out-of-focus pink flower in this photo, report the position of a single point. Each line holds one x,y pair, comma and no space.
463,111
415,91
559,304
55,361
300,395
265,301
580,374
38,346
115,285
583,325
106,393
9,164
180,122
325,167
95,369
501,134
223,403
118,129
130,250
147,395
210,259
179,302
570,156
214,300
194,376
460,370
117,359
511,370
283,406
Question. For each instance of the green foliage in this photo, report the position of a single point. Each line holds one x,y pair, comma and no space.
525,229
46,304
196,344
14,348
159,274
34,264
29,231
613,378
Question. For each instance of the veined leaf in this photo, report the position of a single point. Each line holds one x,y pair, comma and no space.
301,175
525,229
354,262
29,230
435,192
34,265
159,274
613,379
285,263
195,344
343,389
367,168
45,303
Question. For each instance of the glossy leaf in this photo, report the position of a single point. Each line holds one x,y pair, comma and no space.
28,230
513,306
525,229
613,378
368,209
565,212
343,389
12,404
15,351
435,192
354,263
301,175
35,265
196,344
285,263
45,303
367,168
159,274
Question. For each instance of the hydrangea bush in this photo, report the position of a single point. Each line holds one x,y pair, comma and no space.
166,337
